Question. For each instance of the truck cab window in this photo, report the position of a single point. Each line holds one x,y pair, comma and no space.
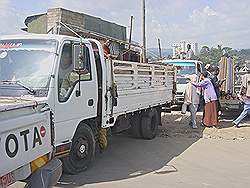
65,69
68,78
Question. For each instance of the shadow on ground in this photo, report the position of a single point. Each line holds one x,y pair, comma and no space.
127,157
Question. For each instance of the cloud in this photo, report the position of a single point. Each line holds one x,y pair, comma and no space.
227,26
200,17
172,21
119,11
11,20
223,23
206,22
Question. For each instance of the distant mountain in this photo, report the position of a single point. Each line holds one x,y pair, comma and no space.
153,53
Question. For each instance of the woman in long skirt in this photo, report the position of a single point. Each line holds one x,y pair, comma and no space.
210,110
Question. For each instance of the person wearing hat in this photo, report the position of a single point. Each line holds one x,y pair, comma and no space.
192,99
210,116
244,96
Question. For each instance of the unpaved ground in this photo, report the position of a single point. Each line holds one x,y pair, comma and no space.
177,125
179,157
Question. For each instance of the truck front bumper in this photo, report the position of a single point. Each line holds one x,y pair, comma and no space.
179,100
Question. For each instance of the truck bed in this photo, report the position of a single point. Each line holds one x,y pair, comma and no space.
141,86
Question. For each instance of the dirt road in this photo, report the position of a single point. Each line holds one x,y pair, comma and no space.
179,157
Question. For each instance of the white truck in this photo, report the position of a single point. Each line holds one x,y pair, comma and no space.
184,68
26,142
87,94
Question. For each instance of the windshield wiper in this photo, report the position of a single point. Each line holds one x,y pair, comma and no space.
17,82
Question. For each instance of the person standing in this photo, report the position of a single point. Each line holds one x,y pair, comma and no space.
106,49
217,84
244,96
208,69
192,99
210,116
244,113
190,52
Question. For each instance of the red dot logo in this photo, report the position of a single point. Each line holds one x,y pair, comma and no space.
42,131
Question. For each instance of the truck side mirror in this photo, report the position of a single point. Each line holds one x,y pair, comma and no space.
79,58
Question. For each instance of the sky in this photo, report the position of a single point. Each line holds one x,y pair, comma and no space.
207,22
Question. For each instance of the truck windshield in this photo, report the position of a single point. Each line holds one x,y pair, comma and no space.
184,68
28,61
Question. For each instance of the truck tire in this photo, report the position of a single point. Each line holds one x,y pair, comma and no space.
159,110
82,151
149,124
135,128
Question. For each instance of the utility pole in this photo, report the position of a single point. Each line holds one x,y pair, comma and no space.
159,45
131,29
144,31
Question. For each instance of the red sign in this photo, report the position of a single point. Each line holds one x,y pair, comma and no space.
42,131
10,45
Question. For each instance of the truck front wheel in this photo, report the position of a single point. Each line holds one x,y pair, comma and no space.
82,151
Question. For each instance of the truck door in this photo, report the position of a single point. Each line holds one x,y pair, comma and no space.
73,103
105,83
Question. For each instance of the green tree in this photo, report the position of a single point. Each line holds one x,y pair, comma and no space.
213,55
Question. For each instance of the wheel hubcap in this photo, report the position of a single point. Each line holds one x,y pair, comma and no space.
81,148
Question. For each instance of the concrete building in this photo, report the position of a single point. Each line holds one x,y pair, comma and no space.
181,48
83,24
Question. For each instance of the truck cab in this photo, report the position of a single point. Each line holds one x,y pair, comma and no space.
41,67
26,118
184,68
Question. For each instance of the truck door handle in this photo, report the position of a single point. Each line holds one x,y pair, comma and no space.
90,102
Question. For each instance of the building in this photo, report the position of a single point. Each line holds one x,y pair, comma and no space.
56,20
80,22
181,48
